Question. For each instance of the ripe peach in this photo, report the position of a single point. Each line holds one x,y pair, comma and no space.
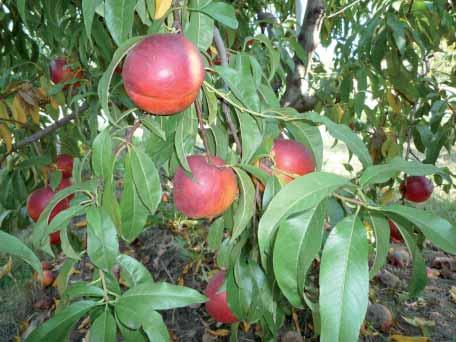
48,278
39,199
395,235
209,191
291,159
64,163
163,74
417,189
55,238
61,73
217,305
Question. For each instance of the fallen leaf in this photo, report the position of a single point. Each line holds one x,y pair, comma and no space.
400,338
453,293
219,332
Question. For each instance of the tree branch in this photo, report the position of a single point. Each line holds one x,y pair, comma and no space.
199,113
45,131
221,50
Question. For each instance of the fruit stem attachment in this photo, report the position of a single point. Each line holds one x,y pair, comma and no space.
199,113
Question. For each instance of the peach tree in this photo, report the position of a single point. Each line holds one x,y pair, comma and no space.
224,105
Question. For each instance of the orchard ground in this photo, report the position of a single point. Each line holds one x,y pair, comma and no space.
175,251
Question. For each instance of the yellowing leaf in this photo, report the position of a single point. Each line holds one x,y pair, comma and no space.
34,112
6,137
394,103
19,110
3,111
161,7
387,197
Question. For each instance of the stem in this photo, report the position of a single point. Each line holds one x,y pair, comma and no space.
103,282
343,9
177,18
199,113
128,138
352,200
221,50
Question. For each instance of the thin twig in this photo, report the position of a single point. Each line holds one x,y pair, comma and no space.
45,131
199,113
342,10
410,8
350,200
105,288
221,50
128,137
177,18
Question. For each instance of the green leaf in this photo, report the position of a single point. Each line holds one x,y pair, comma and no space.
242,86
11,245
309,136
105,81
67,248
222,12
102,156
88,186
155,328
246,203
441,232
119,16
378,174
83,289
398,29
382,241
58,327
221,140
301,194
154,127
297,243
274,55
250,134
104,327
62,219
146,177
111,204
64,275
132,210
132,271
419,273
345,134
131,335
200,29
88,12
185,137
102,243
344,281
138,301
22,10
215,236
271,188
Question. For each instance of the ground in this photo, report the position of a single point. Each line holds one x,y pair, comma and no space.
177,253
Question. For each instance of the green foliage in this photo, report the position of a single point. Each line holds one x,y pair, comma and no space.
387,94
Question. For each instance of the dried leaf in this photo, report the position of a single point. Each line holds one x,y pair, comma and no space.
453,293
400,338
6,270
161,7
6,137
219,332
19,110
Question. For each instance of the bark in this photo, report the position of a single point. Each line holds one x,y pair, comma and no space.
298,94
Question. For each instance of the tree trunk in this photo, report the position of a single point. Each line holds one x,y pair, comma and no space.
298,93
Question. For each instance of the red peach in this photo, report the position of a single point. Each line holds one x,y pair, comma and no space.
395,235
163,74
60,72
217,305
209,191
48,278
291,159
417,189
55,238
64,163
39,199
